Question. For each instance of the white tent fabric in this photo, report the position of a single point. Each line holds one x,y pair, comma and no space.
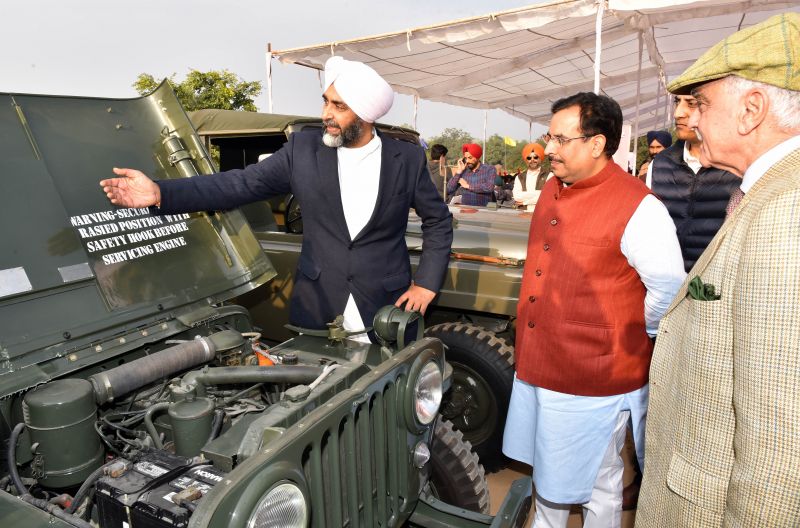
522,60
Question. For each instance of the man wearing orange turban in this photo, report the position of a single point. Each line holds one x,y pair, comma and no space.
528,186
476,179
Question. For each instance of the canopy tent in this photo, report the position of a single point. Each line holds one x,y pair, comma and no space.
522,60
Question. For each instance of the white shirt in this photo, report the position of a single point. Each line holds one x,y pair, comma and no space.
765,162
530,196
691,161
651,246
359,176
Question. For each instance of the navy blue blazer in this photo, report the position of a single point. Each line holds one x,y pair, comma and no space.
374,266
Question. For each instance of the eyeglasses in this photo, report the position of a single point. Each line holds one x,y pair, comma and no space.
532,157
561,140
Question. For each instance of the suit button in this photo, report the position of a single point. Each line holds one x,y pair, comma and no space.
547,247
350,245
555,196
538,273
553,221
532,298
349,278
531,324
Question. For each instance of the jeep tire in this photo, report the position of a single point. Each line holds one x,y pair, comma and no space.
457,476
483,375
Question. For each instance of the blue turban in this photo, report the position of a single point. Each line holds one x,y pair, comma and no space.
662,136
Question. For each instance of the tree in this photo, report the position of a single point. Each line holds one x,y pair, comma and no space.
212,89
497,150
452,139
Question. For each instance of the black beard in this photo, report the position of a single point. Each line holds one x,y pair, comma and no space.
348,135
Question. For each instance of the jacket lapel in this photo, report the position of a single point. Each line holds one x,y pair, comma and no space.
328,165
761,191
391,164
701,264
707,256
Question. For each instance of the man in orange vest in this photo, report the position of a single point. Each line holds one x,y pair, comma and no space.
603,265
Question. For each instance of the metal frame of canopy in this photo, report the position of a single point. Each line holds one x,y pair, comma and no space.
521,60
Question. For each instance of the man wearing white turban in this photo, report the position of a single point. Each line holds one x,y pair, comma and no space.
355,188
367,93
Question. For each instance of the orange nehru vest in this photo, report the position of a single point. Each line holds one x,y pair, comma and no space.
580,326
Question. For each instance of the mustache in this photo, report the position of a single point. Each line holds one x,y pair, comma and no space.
331,123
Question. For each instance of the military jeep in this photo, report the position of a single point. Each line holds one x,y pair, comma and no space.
475,311
135,394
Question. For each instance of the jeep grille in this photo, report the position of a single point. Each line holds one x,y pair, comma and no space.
354,471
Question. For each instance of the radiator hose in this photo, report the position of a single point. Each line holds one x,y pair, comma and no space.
125,378
294,374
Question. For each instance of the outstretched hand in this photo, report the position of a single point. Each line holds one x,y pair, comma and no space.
133,189
416,298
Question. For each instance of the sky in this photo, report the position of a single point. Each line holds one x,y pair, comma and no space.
98,48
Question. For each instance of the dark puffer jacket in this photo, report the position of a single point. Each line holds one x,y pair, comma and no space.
696,202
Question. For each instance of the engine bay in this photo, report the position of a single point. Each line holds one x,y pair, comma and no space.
140,444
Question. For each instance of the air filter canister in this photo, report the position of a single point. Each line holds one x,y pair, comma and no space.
60,417
191,424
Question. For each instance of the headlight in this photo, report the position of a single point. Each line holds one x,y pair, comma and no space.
283,505
428,393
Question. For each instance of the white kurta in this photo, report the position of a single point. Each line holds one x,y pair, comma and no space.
563,436
359,177
529,196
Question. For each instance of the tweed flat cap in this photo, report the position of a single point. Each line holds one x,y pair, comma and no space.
768,52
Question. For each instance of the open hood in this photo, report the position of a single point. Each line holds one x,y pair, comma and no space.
74,269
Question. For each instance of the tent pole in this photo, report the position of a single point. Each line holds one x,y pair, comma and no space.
658,106
269,77
530,131
598,44
638,96
414,116
667,113
485,118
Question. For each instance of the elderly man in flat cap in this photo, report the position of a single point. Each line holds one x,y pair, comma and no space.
723,427
355,187
475,179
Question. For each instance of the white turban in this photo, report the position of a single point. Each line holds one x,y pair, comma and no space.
360,87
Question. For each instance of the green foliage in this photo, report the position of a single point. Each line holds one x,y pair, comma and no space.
496,149
642,152
510,157
214,89
452,139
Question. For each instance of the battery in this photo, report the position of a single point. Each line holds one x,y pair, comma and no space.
142,497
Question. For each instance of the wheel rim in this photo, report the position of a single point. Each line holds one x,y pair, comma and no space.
470,405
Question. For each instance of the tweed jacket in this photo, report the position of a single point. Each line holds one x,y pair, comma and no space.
723,427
